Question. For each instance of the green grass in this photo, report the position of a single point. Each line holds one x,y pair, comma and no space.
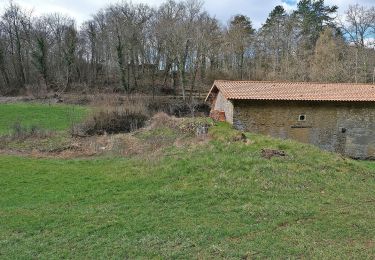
50,117
370,164
218,200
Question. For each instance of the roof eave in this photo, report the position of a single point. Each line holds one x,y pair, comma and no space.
212,88
307,100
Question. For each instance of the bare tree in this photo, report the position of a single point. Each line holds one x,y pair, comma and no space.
15,25
179,48
358,26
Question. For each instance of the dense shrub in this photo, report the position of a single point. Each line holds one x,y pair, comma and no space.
158,105
178,108
180,125
113,119
116,121
121,114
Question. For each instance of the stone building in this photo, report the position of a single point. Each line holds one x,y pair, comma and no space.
334,117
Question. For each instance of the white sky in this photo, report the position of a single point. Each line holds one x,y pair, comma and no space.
257,10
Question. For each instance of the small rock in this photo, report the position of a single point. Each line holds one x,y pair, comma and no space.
240,138
202,131
269,153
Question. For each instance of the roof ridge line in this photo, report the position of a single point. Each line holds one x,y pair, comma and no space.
296,82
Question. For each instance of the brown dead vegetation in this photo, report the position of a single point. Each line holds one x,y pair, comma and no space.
160,132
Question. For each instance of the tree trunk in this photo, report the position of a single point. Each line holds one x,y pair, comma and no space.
120,60
3,69
182,79
182,69
21,72
193,81
133,68
153,75
241,64
356,66
168,66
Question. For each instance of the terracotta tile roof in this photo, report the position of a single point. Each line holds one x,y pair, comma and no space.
304,91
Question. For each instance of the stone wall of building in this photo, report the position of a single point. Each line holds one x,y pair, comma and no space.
347,127
223,104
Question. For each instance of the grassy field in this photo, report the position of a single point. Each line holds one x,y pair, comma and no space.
215,200
51,117
369,164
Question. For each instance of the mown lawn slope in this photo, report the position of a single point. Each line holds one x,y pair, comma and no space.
49,117
215,200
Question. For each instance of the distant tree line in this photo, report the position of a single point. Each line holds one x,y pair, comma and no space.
179,48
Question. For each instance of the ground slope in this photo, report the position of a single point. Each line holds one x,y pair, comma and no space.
219,199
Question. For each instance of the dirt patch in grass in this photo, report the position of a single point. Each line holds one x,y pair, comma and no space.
270,153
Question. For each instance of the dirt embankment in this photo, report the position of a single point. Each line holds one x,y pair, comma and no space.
31,99
5,100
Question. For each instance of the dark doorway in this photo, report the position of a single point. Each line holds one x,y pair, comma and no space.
341,140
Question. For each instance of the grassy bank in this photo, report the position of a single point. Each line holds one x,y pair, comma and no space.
369,164
221,199
49,117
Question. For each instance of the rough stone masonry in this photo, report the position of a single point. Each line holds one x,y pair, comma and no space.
345,125
346,128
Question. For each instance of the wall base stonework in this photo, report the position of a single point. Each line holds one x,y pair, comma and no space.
218,115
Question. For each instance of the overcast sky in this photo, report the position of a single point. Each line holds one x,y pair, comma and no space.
257,10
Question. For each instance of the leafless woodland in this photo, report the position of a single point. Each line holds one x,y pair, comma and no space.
179,49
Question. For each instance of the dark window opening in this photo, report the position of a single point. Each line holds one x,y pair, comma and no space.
301,118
